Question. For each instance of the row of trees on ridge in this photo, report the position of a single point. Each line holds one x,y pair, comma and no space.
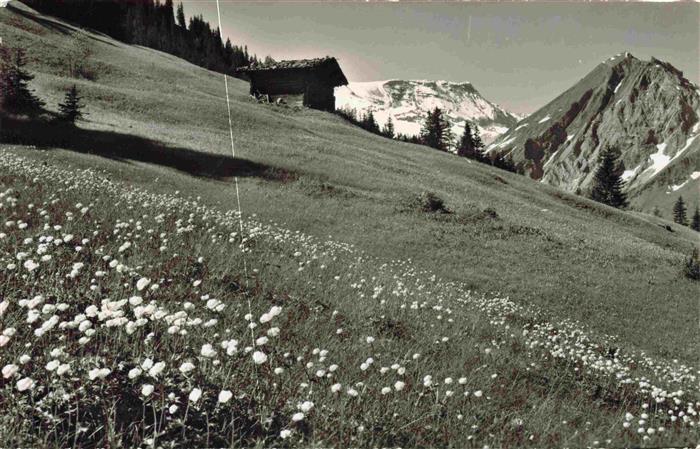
153,24
436,132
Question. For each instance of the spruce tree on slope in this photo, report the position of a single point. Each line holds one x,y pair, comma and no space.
15,95
478,144
679,212
370,124
608,184
388,130
70,108
436,131
466,147
695,224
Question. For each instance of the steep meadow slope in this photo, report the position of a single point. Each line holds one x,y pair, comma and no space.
159,122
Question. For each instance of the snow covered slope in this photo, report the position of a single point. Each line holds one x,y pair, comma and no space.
646,110
408,103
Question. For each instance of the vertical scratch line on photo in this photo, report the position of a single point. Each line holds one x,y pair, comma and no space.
235,177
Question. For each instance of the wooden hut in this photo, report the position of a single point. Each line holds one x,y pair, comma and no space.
314,79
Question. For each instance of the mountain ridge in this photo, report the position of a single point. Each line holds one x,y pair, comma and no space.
646,110
407,102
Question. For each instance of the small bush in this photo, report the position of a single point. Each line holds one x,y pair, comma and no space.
691,270
430,202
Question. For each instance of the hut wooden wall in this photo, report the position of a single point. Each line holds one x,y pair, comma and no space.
321,97
316,88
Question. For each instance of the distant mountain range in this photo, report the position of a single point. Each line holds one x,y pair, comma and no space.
407,102
646,110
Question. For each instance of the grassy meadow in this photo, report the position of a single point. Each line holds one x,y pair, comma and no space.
524,316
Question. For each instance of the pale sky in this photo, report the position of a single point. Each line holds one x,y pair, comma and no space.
517,55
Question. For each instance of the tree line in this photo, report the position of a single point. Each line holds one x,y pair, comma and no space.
607,187
436,132
156,25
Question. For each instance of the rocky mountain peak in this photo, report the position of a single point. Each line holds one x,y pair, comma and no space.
646,110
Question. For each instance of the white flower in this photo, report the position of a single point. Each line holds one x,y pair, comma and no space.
398,386
186,367
30,265
147,389
286,433
147,363
478,393
386,390
156,369
135,300
52,365
208,350
259,357
142,283
225,396
63,368
195,394
297,417
134,373
9,370
306,406
100,373
336,388
261,341
25,384
352,392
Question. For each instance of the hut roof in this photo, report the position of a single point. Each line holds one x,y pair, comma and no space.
328,65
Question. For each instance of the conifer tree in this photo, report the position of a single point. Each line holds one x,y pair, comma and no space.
70,108
679,212
608,183
436,131
182,23
369,123
470,144
388,130
465,147
478,144
695,224
15,95
504,163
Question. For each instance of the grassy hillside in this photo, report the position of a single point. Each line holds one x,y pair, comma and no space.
312,172
591,337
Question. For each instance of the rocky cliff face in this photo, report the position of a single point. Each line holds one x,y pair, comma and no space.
408,103
646,110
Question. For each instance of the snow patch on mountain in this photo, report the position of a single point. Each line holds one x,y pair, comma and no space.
408,103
